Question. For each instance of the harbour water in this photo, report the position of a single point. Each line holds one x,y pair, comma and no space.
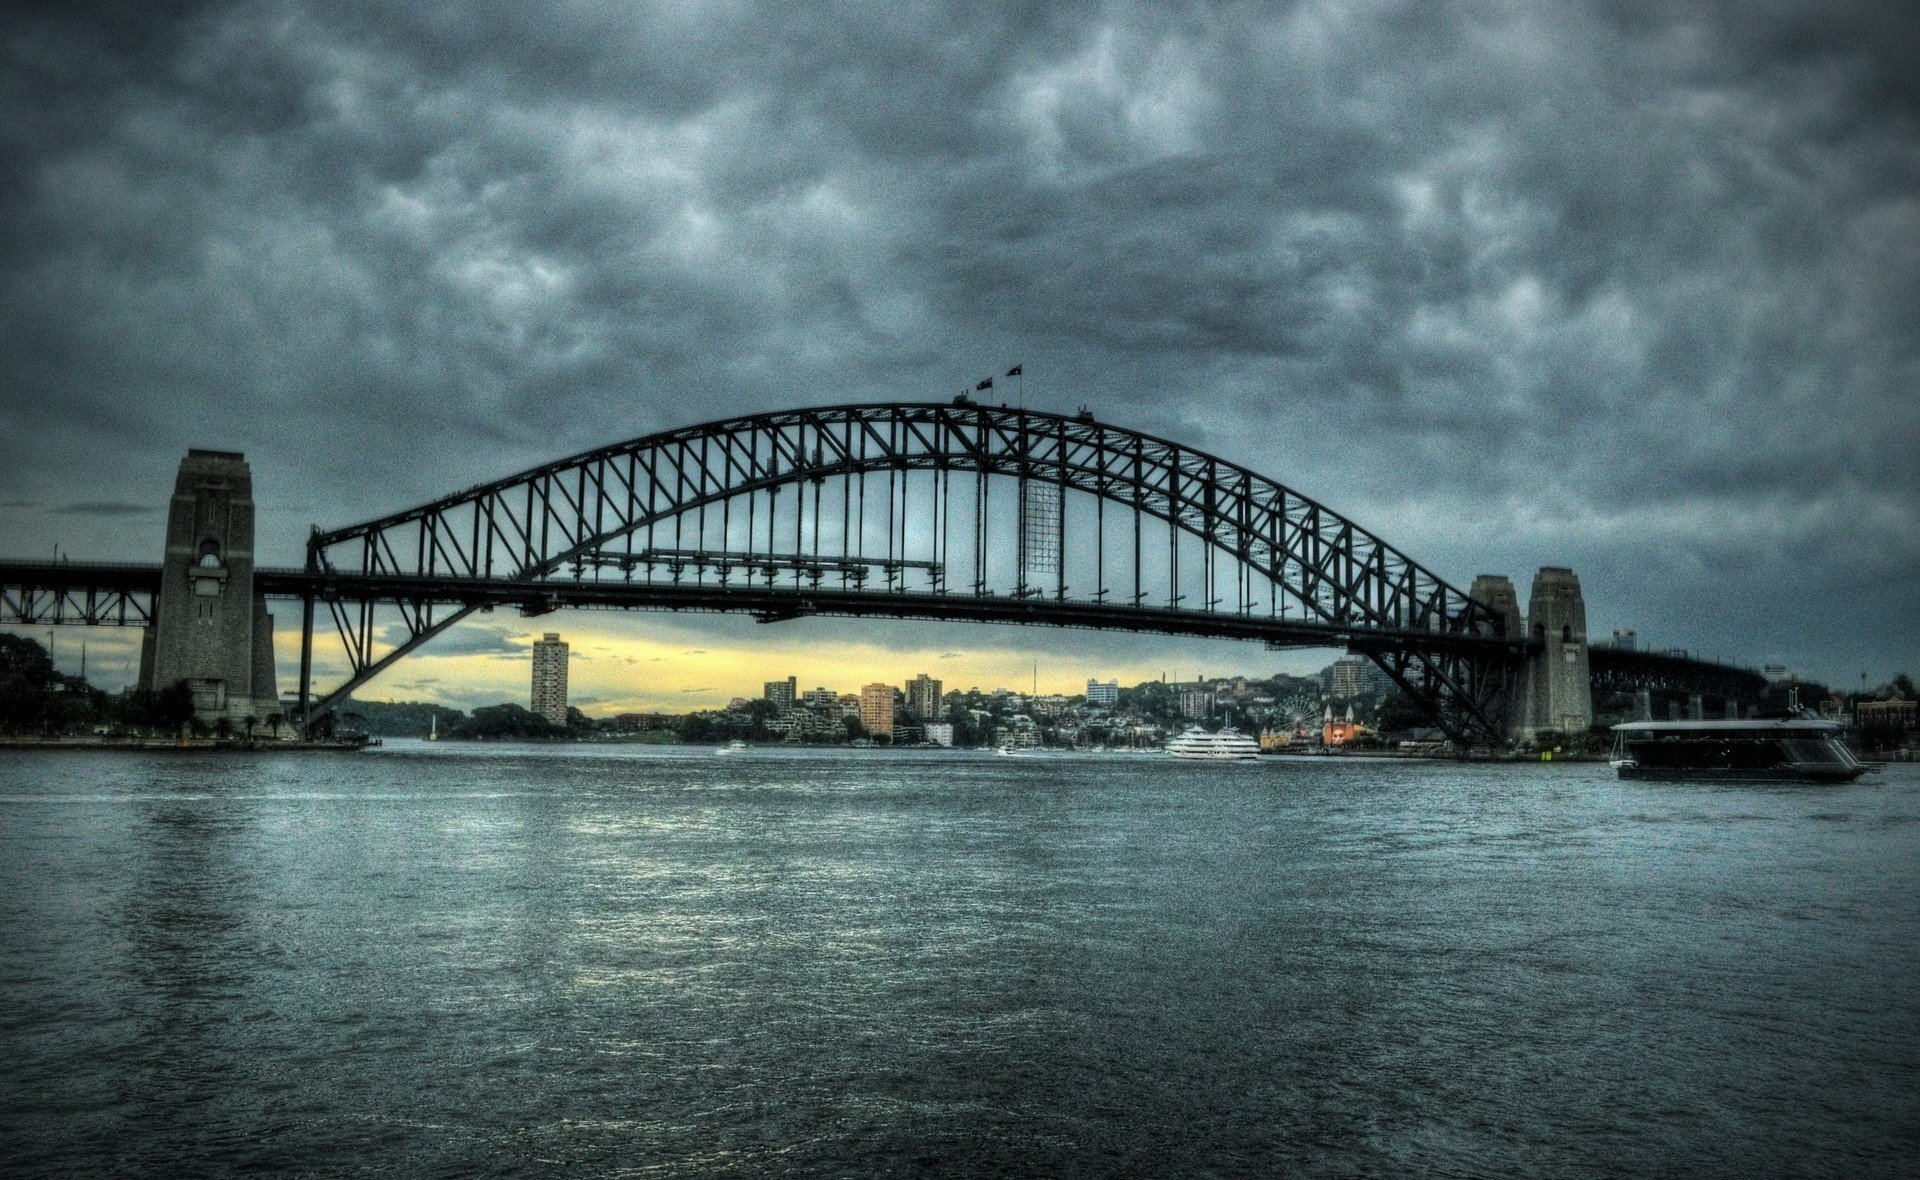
490,960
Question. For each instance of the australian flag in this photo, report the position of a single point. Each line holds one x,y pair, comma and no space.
1014,372
987,384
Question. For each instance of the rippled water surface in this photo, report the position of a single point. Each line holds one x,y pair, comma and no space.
457,960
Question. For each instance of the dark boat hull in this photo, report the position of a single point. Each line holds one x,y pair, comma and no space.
1779,774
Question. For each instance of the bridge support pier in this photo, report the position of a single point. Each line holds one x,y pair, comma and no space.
1496,591
1555,691
1559,689
209,628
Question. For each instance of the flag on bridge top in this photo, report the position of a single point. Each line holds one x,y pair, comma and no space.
987,384
1014,372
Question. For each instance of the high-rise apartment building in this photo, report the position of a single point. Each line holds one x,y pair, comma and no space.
1194,702
783,693
550,678
876,709
1345,677
923,697
1103,696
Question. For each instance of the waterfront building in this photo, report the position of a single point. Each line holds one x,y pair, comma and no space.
815,725
550,655
1274,741
939,733
1338,731
820,698
1019,733
923,696
644,722
1779,674
876,709
1103,696
1894,714
1626,640
783,693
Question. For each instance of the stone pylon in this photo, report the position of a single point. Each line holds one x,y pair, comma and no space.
1559,692
209,628
1496,591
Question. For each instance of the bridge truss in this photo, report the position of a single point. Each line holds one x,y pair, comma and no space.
1613,670
77,594
931,511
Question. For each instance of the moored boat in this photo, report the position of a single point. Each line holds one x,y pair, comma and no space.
1793,749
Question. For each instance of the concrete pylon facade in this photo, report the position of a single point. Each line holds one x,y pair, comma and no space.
210,629
1558,690
1496,591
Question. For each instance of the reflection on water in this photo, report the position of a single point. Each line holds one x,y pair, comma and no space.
466,959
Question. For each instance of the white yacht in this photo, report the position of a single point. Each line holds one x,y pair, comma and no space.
1228,745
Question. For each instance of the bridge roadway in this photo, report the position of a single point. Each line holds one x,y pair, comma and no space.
109,594
42,593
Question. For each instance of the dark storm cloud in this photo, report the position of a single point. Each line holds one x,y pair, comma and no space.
467,639
1513,284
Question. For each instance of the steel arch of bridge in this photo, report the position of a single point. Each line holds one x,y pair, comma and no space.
693,518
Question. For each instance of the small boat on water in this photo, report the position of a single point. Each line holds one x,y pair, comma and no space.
732,747
1229,745
1790,749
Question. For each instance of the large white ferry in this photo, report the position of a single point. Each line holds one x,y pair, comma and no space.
1229,745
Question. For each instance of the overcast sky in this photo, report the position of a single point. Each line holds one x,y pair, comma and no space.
1629,287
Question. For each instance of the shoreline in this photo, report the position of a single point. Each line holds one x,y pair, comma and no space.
195,744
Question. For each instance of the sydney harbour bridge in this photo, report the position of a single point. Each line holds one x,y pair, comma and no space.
953,511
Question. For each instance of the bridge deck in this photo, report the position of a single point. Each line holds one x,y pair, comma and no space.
767,603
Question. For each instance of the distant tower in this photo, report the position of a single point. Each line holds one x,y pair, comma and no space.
550,678
876,709
923,697
1559,695
209,628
